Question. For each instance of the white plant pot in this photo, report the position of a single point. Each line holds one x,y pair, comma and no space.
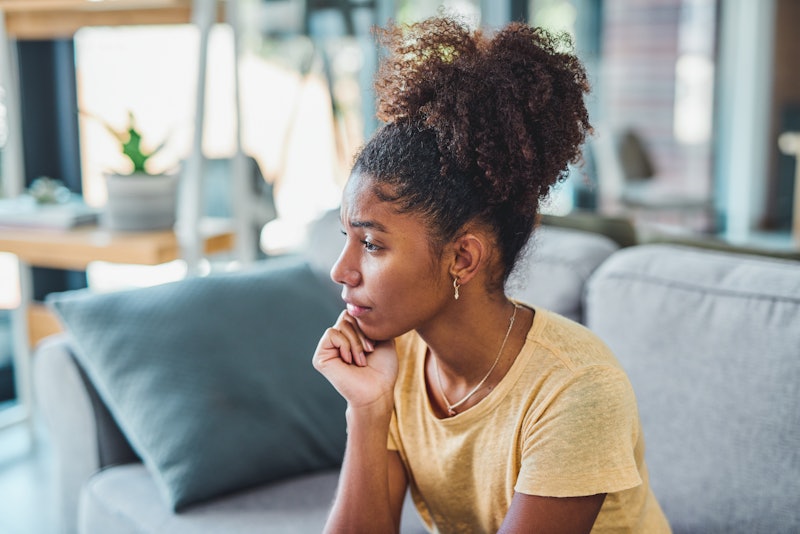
139,202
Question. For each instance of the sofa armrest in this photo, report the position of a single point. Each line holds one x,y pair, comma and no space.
66,409
83,434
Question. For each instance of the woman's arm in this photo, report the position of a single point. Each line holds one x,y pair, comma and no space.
372,484
552,515
372,481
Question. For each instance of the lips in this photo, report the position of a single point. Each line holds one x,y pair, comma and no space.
357,311
353,308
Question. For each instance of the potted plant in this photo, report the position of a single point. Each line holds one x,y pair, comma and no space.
139,200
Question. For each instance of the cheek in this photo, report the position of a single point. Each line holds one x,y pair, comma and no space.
402,276
409,290
405,297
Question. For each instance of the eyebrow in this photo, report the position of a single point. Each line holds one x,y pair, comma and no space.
369,224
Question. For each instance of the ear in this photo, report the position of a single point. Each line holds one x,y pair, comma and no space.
470,255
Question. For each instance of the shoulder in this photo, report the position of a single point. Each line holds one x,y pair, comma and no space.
568,367
582,408
570,343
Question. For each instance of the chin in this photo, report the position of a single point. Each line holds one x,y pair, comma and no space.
380,333
377,334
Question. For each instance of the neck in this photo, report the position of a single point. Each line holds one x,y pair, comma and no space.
453,406
478,351
466,338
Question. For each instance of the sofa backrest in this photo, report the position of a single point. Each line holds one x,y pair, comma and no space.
323,245
711,343
554,268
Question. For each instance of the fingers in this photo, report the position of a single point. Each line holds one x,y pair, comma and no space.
344,340
334,344
366,343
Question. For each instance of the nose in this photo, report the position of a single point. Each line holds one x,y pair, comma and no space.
345,270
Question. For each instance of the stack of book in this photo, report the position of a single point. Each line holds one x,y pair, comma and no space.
25,212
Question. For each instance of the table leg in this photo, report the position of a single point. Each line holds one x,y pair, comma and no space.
23,378
789,143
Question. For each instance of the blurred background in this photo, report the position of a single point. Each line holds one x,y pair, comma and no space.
695,104
689,99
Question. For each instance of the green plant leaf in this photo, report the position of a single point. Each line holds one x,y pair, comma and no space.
130,141
133,149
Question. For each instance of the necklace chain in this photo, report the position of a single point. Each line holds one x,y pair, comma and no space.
451,408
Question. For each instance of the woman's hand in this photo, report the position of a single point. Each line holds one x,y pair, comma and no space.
361,370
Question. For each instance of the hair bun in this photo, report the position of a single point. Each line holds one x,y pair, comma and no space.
507,109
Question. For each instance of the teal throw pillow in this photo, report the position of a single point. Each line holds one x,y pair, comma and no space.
211,378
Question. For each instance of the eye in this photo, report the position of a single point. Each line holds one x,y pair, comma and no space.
369,246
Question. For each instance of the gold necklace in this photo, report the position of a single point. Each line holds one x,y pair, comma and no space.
451,408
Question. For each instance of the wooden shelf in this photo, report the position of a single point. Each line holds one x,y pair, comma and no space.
76,248
53,19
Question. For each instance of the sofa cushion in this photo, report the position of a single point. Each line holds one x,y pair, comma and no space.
555,267
711,342
210,378
122,500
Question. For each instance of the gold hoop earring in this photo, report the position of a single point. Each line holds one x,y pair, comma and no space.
455,287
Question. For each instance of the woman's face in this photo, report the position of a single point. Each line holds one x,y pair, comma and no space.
392,281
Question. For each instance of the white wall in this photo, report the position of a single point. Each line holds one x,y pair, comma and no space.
743,113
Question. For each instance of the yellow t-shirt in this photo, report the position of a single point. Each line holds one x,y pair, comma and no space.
562,422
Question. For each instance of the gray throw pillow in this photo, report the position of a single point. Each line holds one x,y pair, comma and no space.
211,378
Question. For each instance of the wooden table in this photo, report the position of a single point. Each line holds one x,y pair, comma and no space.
75,249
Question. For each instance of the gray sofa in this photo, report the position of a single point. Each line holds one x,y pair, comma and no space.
710,339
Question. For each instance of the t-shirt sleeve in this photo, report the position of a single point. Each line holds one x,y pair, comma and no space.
583,440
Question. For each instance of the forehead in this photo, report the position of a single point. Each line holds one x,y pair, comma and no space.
363,207
358,193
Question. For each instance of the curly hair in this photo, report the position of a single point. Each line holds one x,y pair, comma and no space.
478,127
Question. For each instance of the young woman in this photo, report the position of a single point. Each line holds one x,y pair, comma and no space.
500,416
